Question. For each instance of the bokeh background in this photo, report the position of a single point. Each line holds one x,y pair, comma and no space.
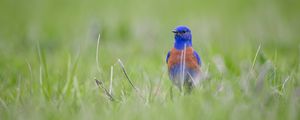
48,51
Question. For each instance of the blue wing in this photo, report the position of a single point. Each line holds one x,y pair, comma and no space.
167,58
198,57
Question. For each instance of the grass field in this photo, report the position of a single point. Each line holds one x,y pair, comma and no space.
49,59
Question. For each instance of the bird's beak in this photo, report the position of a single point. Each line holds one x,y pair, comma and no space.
174,31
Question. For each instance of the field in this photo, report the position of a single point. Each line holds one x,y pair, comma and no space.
53,51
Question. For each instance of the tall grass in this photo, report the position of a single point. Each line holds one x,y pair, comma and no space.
250,53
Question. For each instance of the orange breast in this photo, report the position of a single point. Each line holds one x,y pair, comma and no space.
176,58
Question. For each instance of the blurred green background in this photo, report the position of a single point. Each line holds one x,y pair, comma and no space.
48,50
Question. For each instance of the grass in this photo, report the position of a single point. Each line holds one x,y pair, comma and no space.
51,54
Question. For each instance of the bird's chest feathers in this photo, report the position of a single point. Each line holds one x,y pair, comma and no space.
183,57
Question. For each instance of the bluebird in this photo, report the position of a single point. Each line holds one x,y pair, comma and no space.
183,61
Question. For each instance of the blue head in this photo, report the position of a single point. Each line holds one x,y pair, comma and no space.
183,36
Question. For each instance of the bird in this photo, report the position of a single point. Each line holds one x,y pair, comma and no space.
183,61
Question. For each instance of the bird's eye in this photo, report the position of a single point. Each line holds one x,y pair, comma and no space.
184,31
